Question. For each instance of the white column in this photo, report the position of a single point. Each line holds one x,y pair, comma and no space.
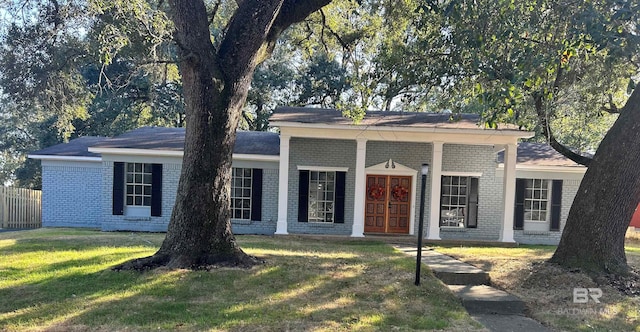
433,232
509,191
360,186
283,185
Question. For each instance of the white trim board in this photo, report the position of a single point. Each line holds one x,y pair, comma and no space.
322,168
64,158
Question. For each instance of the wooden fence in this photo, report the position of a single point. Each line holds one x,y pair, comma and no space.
20,208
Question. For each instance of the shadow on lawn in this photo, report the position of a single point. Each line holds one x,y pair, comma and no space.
302,286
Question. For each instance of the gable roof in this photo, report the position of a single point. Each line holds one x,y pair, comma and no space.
160,139
307,115
539,154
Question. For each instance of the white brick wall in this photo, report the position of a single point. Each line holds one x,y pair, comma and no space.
477,158
325,153
569,191
71,194
170,178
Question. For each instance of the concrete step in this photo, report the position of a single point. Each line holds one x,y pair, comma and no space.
510,323
488,300
454,272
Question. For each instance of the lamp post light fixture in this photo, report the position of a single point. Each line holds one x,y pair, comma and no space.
423,186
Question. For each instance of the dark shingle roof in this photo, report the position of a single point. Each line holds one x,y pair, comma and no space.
160,138
152,138
75,148
539,154
308,115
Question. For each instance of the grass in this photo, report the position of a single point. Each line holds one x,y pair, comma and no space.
59,280
548,290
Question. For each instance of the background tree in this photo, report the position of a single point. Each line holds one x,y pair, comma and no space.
64,74
533,63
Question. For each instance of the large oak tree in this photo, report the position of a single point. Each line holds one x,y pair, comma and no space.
215,83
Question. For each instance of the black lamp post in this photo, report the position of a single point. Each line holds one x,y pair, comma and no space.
423,186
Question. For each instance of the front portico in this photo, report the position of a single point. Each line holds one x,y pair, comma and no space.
390,146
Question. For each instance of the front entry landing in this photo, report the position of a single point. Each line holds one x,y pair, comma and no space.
387,205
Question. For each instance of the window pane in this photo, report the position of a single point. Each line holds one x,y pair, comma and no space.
138,168
138,178
463,191
129,190
246,193
247,172
129,178
147,168
147,179
246,214
536,203
129,200
321,196
138,200
147,190
138,190
147,201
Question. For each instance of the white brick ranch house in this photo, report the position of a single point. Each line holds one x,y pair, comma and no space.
325,175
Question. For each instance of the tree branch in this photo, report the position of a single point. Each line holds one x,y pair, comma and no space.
613,108
269,18
546,131
335,34
212,16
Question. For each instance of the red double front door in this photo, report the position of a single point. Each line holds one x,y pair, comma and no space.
387,206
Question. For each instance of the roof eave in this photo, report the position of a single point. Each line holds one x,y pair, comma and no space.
502,132
177,154
64,158
547,168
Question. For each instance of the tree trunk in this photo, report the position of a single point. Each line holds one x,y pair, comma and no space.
593,238
215,85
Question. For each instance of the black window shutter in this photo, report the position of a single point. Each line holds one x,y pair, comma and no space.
556,202
303,197
156,190
118,189
472,204
518,218
339,203
256,195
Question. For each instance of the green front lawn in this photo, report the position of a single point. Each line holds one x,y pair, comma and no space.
59,279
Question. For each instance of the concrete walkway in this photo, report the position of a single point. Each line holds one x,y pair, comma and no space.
495,309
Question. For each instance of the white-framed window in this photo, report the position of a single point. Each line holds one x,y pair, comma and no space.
138,184
322,187
536,200
241,193
459,201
